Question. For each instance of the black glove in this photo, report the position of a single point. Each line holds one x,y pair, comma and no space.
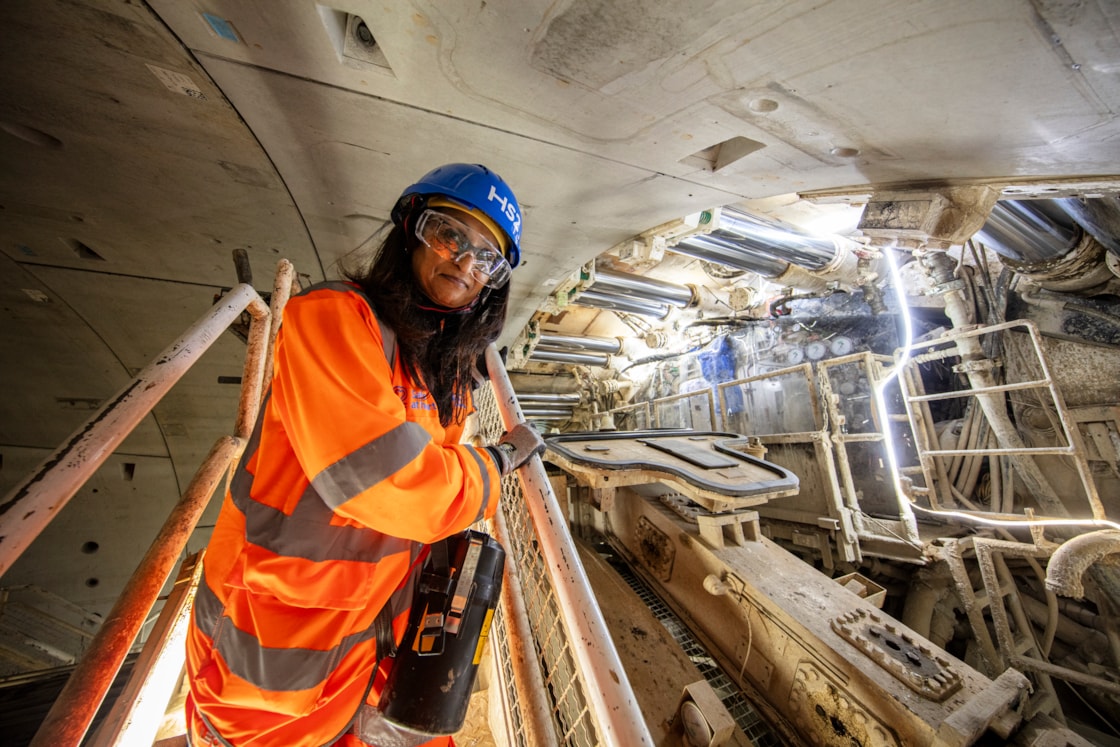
516,447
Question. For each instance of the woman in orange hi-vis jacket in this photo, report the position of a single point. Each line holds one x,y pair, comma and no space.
354,467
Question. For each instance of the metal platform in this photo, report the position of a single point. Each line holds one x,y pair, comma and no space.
713,469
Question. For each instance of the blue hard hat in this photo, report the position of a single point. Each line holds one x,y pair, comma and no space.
475,186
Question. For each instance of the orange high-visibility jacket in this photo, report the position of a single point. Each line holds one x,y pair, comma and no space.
347,477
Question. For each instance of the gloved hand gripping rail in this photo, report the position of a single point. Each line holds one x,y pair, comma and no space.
516,447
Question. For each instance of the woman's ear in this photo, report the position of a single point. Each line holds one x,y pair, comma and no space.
406,210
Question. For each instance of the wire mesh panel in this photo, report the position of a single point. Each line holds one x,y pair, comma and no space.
783,401
571,717
632,417
856,427
694,410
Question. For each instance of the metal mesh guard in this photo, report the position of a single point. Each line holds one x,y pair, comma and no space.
564,689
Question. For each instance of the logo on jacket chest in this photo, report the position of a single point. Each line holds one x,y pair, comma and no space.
414,399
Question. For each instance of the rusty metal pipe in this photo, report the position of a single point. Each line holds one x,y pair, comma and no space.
74,708
281,291
32,504
257,355
138,710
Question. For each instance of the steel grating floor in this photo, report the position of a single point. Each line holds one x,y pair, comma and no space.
746,717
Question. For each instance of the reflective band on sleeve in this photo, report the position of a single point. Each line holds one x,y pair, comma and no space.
308,533
276,669
485,482
363,468
242,481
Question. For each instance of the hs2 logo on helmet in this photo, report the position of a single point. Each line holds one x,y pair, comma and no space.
509,209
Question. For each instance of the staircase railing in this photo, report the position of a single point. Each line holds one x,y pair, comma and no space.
33,503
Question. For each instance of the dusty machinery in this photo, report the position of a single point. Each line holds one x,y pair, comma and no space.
822,663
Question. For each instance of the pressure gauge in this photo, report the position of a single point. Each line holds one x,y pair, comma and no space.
841,345
816,350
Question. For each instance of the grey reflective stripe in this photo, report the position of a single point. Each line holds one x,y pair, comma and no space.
207,609
277,669
283,669
368,465
307,533
485,482
242,482
388,339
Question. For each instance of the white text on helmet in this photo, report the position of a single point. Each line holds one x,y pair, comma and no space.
510,211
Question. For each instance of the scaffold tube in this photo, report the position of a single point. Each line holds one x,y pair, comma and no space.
30,506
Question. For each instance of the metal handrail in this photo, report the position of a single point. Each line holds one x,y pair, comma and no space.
31,505
532,701
993,405
610,696
34,502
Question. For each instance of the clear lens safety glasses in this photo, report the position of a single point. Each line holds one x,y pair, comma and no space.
454,241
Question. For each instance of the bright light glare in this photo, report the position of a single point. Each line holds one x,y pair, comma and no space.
881,401
1024,522
148,709
904,503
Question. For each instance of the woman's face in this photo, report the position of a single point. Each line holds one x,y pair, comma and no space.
448,283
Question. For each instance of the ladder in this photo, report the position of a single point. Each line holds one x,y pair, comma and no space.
999,596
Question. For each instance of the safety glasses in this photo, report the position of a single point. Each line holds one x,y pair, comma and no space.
455,241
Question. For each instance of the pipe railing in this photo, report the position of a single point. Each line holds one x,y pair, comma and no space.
138,712
606,686
34,502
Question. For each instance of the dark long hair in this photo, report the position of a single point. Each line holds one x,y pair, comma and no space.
438,349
